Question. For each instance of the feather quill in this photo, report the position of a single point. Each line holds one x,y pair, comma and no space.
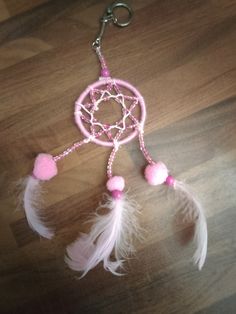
31,200
193,211
113,231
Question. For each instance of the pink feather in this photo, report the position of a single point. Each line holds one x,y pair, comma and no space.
31,200
193,211
113,231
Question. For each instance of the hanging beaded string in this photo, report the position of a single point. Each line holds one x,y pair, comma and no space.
104,68
112,155
71,149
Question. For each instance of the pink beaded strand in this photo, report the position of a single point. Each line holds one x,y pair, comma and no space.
71,149
113,153
104,68
144,149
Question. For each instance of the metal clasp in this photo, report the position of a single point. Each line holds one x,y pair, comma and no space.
109,16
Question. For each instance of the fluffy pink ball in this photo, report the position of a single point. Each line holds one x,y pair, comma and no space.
116,183
156,174
45,167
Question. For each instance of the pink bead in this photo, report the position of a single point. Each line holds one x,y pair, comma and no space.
156,174
116,183
45,167
105,72
116,194
170,181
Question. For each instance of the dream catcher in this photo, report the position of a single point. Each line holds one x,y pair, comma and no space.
111,234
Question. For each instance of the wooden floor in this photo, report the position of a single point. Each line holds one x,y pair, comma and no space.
181,55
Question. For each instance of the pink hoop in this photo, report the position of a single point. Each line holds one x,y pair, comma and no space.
97,84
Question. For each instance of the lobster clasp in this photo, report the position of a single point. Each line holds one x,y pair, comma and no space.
110,16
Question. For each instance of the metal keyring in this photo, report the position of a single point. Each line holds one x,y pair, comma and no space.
110,16
111,12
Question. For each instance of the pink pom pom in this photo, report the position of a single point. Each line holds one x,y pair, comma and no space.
156,174
116,183
45,167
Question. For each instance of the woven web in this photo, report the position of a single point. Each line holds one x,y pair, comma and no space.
108,92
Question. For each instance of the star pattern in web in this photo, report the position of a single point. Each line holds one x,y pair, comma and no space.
99,96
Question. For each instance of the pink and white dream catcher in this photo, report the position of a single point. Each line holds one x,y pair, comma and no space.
110,239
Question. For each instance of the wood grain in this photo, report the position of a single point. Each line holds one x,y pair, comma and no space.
10,8
181,56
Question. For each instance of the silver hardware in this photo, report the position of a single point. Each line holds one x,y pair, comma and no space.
109,16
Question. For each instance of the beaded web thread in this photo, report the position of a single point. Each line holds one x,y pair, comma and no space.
97,128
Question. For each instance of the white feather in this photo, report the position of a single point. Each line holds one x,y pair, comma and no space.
112,231
193,211
31,200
